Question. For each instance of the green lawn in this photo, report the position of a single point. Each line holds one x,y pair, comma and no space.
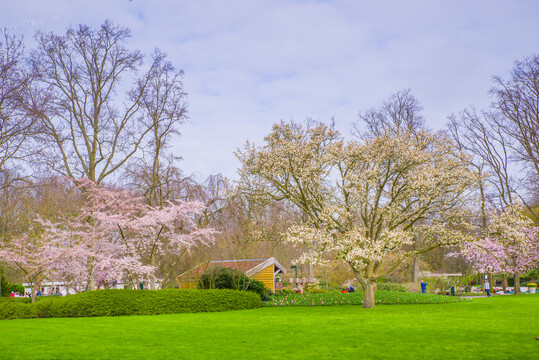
501,327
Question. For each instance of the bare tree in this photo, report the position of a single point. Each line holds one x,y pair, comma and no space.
400,113
517,99
15,123
93,122
163,102
479,134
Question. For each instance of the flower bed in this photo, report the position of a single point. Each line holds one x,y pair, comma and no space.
356,298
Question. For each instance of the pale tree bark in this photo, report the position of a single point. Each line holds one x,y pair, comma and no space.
415,277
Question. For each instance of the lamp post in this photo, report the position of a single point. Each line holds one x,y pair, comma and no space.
296,276
295,268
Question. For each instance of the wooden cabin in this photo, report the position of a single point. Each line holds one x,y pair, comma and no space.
264,270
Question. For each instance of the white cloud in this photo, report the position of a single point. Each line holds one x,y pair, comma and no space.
249,63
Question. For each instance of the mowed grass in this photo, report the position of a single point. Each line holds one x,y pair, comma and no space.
501,327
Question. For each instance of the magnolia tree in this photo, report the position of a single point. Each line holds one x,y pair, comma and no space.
510,245
361,201
116,236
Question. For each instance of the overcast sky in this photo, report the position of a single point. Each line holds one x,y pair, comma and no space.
249,64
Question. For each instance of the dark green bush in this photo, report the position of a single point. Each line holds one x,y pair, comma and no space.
391,287
220,277
259,288
4,284
7,288
129,302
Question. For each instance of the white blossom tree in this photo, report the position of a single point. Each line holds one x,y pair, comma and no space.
361,199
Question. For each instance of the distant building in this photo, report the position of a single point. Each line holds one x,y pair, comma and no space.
264,270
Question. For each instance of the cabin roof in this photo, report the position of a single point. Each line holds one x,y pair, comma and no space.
248,266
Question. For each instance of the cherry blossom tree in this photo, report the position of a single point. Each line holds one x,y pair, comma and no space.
361,200
115,237
128,237
35,253
510,245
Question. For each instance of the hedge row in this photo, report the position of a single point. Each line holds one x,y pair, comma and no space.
129,302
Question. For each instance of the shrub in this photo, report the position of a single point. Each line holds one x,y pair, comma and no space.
7,288
259,288
129,302
391,287
220,277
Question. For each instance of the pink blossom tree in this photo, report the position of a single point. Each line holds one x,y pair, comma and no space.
138,233
510,246
36,253
114,237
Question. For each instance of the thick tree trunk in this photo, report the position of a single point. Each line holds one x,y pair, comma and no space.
491,282
504,283
516,291
369,287
90,286
33,290
416,270
368,284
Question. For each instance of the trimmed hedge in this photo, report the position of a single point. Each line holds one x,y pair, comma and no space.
130,302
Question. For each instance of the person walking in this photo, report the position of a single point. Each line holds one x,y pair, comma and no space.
487,288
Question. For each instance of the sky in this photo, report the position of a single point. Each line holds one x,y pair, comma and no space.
249,64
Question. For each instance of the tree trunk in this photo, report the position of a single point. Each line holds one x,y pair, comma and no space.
516,291
368,285
90,286
491,282
416,270
504,283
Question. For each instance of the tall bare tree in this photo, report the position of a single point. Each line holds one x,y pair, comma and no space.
163,102
93,119
517,100
15,122
400,113
479,134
